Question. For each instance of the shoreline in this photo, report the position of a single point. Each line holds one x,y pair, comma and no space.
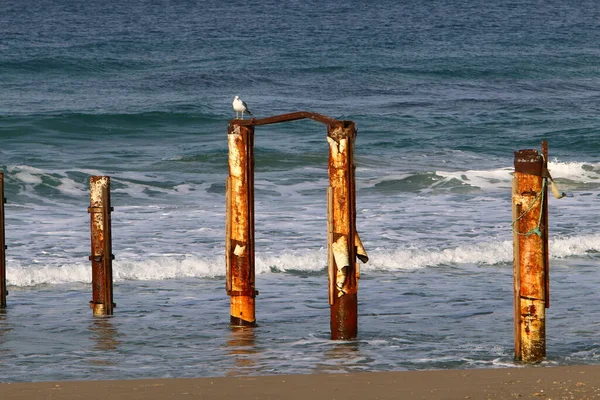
533,382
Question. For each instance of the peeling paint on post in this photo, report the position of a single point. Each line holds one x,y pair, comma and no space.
239,247
3,290
343,243
100,224
530,235
343,271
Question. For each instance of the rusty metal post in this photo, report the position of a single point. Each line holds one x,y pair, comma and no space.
3,290
530,255
102,282
343,271
239,241
545,225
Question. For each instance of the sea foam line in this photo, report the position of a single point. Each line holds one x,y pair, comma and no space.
310,261
135,184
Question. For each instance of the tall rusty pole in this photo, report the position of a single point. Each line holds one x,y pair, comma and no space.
3,290
530,255
239,241
343,269
100,223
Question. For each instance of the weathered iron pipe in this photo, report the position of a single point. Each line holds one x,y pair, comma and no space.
3,290
101,245
239,246
530,256
343,271
545,225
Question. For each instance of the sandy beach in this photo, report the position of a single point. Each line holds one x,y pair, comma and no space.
573,382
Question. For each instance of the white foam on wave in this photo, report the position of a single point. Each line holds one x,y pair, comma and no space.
192,266
499,178
488,253
133,184
154,269
406,259
575,171
27,177
33,275
26,174
574,246
308,260
169,268
159,268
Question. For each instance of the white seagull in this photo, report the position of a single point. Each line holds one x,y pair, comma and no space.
240,107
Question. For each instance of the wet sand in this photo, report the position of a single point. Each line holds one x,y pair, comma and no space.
573,382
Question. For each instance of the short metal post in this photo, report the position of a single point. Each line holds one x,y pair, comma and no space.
343,269
239,242
530,255
3,290
102,282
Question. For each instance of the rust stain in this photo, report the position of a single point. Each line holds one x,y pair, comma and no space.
530,250
343,241
101,256
3,290
290,117
240,225
342,238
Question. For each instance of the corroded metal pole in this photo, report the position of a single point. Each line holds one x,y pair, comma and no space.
3,291
343,271
530,235
239,241
545,225
102,282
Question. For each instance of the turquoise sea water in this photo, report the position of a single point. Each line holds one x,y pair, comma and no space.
442,94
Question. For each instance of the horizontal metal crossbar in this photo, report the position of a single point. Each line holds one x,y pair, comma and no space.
289,117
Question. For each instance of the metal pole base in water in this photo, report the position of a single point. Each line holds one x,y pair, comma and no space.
100,224
530,255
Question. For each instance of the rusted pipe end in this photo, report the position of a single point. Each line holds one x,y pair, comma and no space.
529,162
343,130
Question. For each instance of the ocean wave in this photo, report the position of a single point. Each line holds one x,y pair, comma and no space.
28,184
176,114
85,66
575,174
488,253
306,262
583,172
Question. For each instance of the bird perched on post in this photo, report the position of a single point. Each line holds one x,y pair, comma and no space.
240,107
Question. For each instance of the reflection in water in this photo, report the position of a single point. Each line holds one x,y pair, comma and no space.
106,340
241,346
341,357
5,327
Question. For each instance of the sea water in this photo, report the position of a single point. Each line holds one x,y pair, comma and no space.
442,94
